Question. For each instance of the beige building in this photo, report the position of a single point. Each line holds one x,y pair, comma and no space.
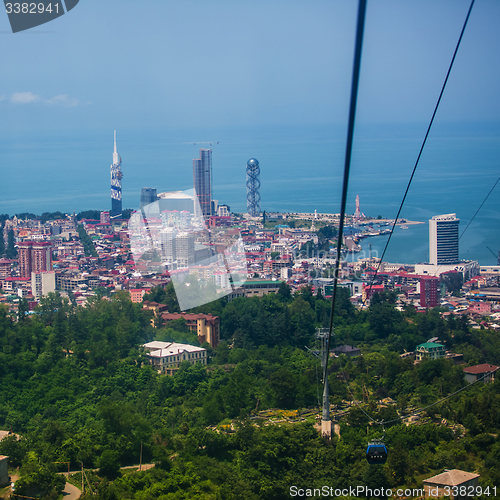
168,356
206,326
43,283
258,288
456,484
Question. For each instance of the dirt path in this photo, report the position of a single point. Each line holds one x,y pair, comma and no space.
71,492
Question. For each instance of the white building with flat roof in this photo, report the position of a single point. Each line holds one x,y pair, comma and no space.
469,267
43,283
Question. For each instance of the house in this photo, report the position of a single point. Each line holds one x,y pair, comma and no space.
137,294
484,371
451,483
429,350
480,307
257,287
347,350
168,356
368,291
157,309
206,326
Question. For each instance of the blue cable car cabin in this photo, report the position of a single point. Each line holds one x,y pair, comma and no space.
376,453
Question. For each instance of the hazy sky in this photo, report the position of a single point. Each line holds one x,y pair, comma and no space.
159,63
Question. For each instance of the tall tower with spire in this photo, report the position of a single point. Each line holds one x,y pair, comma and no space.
116,185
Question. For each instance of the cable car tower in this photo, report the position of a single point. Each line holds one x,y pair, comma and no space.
326,422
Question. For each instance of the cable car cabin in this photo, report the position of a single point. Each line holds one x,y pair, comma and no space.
376,453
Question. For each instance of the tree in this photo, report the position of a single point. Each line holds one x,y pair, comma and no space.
86,241
52,216
2,242
302,319
375,478
127,212
11,252
89,214
14,448
38,479
22,310
453,281
108,464
284,292
399,463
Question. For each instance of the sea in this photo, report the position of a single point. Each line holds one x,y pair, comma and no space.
301,170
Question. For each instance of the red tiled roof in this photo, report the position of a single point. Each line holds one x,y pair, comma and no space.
477,369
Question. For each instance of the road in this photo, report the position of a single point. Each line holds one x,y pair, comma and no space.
71,492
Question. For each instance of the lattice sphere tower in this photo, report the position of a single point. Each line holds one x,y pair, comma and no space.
253,187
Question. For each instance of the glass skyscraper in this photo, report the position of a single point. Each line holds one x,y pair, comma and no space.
202,180
148,196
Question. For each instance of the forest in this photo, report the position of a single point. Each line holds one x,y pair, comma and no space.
77,388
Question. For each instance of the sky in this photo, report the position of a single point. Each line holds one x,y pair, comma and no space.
163,73
181,63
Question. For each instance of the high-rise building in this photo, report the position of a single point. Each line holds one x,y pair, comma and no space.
429,291
253,187
168,251
24,258
202,180
105,218
116,185
184,249
34,256
148,196
5,265
43,283
41,256
443,239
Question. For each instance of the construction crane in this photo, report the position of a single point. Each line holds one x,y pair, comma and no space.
496,256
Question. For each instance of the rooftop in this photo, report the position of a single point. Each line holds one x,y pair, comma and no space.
164,349
477,369
430,345
451,478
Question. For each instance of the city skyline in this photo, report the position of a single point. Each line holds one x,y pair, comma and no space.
279,79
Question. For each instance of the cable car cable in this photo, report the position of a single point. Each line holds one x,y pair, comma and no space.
473,217
347,163
480,206
423,144
417,412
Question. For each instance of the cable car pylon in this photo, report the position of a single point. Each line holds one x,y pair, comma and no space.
326,421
